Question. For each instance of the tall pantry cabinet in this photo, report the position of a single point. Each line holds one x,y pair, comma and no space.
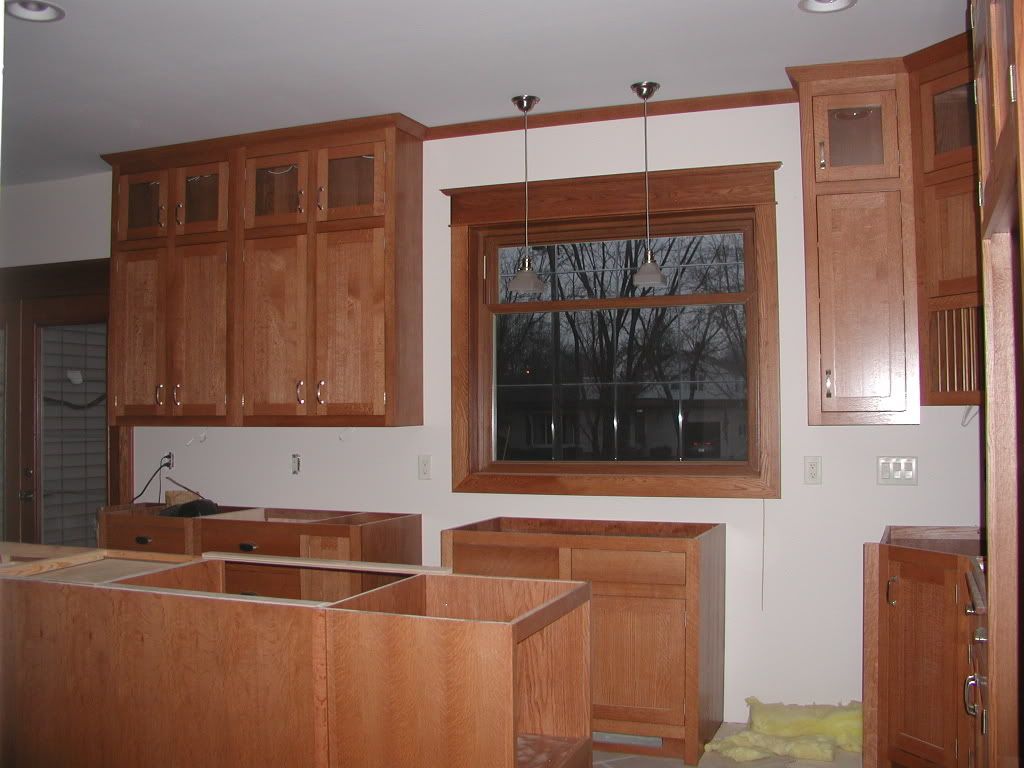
270,279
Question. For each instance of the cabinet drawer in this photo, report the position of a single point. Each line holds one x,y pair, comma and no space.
233,536
263,580
629,567
159,534
491,560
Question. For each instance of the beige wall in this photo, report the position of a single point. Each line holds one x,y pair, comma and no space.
794,565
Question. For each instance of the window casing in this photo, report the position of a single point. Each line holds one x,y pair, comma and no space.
680,399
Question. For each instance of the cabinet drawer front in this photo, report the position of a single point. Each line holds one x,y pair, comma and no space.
156,535
488,560
231,536
263,580
629,567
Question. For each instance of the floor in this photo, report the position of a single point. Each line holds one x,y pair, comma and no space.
714,760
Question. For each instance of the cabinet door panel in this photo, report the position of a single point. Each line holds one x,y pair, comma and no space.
639,660
947,121
142,205
861,311
275,189
199,330
274,328
855,136
350,322
922,683
139,309
201,198
952,237
350,181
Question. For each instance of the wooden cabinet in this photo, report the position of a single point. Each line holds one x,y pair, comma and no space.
862,335
313,315
946,181
918,647
657,608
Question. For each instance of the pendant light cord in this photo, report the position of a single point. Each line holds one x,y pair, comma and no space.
526,184
647,190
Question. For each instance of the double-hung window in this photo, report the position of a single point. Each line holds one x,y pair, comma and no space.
598,386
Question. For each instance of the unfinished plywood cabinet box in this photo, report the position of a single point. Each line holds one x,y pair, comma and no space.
658,610
118,660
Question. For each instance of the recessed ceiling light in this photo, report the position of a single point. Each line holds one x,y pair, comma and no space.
33,10
824,6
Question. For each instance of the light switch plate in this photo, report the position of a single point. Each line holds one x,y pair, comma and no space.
897,470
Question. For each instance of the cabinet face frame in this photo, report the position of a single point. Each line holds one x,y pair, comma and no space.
323,191
885,101
125,183
180,214
252,165
929,90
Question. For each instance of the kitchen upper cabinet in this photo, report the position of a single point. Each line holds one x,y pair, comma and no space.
947,120
138,312
350,323
350,181
274,316
855,136
859,238
289,278
142,205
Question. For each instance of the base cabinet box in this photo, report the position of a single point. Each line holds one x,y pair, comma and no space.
657,606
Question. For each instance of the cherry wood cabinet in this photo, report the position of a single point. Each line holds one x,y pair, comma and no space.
918,647
281,274
861,273
657,613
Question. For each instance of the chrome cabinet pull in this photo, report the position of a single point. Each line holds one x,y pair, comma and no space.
828,383
177,214
971,681
161,220
888,590
320,385
158,394
174,394
298,391
143,540
299,208
821,155
319,198
246,546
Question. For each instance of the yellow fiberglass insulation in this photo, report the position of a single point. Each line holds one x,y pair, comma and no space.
842,723
749,745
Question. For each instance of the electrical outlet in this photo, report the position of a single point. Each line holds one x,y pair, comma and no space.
423,466
167,460
812,470
897,470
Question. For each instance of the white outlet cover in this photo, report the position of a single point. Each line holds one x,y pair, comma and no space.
812,470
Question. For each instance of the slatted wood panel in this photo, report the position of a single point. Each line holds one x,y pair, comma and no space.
74,432
955,355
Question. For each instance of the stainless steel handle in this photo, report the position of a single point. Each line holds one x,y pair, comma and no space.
971,681
319,386
174,394
178,209
320,198
888,590
828,383
298,391
821,155
299,208
158,394
161,220
246,546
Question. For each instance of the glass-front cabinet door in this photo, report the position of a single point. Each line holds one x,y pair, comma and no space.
855,136
947,121
201,198
350,181
142,205
275,189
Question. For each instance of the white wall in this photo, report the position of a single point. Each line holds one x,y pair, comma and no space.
47,221
793,616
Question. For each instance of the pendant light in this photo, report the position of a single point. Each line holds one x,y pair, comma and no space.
649,275
526,280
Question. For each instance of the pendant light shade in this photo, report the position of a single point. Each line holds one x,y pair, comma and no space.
649,275
526,281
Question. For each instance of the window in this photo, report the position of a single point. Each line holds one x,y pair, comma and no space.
599,387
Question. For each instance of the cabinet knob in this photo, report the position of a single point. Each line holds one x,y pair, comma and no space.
143,540
247,546
299,385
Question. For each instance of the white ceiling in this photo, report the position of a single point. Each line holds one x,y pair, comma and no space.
126,74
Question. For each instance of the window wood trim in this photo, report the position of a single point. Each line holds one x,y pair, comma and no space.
477,211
